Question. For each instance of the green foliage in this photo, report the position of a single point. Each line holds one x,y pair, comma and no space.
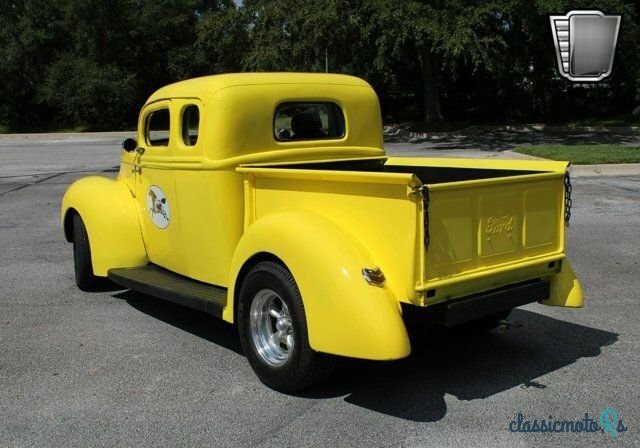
28,33
221,41
89,94
293,35
92,63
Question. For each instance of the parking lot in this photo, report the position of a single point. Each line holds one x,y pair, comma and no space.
117,368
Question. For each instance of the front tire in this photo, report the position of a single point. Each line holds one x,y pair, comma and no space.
273,331
85,279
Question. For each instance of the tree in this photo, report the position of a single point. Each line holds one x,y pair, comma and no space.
29,29
437,35
115,53
88,80
532,73
92,63
221,40
295,35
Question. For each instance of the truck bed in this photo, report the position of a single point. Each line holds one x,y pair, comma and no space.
440,228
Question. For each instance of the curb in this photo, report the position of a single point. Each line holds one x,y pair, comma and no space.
618,169
49,135
396,131
517,156
607,169
536,127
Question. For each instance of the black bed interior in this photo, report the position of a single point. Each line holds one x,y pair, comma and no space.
426,174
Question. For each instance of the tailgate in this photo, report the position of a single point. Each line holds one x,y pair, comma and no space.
478,225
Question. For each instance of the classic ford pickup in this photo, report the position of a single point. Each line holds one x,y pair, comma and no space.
267,200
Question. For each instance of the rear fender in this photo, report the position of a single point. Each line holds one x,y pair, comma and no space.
345,315
565,288
113,225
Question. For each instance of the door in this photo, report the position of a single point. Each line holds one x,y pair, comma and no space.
155,187
211,209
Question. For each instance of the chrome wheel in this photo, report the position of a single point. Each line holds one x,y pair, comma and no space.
271,329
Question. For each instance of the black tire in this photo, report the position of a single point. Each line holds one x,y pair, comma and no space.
304,367
85,279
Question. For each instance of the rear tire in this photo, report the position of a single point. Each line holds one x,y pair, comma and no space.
85,279
273,331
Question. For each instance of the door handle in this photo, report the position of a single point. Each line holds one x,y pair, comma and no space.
137,169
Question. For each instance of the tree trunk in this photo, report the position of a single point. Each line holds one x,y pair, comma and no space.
430,67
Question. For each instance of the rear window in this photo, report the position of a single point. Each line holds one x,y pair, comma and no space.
308,121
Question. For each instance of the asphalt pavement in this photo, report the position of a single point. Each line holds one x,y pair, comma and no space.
118,368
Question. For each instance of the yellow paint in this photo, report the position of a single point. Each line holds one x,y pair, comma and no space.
376,209
237,194
240,123
112,221
345,315
164,245
487,226
494,164
565,289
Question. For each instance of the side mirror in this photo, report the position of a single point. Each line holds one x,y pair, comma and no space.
129,144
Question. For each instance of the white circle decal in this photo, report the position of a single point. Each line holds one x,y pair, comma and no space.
158,207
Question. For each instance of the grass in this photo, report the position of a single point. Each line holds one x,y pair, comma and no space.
584,154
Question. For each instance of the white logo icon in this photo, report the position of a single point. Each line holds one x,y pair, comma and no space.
585,44
158,207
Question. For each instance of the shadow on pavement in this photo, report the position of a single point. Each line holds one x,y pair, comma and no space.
468,367
195,322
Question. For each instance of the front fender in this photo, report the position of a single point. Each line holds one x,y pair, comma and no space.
345,315
110,215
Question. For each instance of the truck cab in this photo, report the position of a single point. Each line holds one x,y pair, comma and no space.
267,200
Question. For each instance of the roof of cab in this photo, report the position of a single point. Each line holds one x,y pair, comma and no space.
203,87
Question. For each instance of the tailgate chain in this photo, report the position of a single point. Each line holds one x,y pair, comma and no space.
423,191
567,199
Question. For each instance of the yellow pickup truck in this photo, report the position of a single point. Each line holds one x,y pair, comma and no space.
267,200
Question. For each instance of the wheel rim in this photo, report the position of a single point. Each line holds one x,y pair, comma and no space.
271,329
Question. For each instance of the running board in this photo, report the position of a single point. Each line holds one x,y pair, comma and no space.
158,282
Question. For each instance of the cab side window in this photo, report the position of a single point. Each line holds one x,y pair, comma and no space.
158,127
190,125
